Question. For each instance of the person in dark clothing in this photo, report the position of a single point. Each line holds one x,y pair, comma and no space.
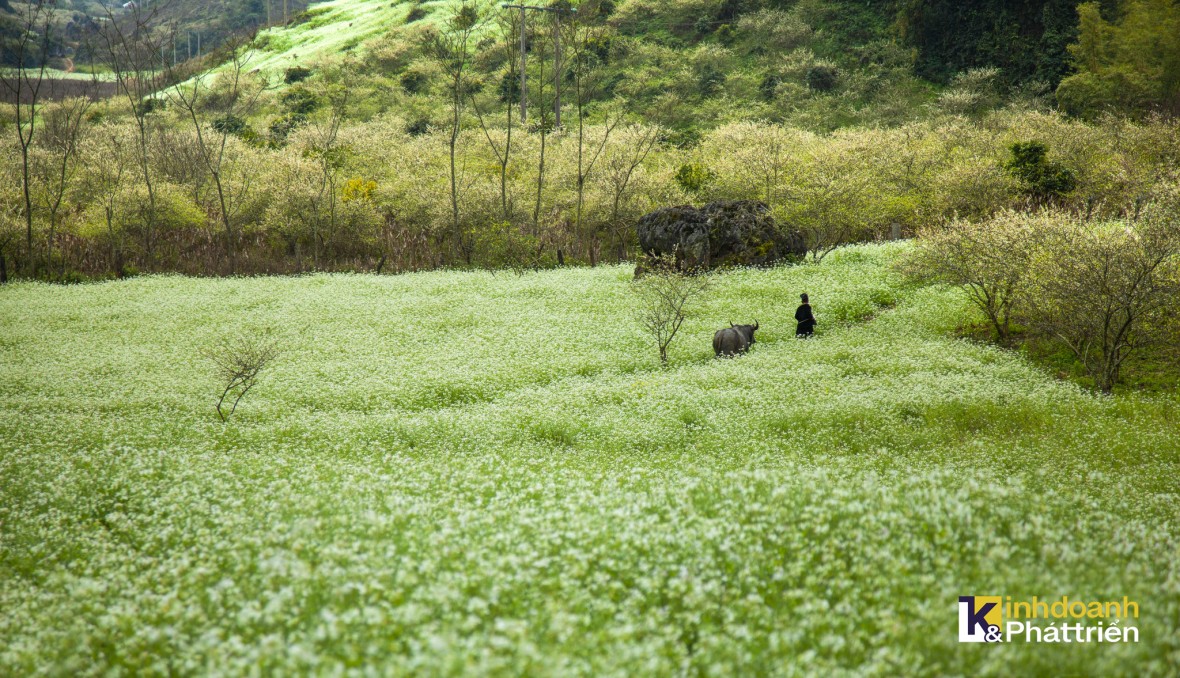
805,318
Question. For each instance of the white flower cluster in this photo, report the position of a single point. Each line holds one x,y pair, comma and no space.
460,473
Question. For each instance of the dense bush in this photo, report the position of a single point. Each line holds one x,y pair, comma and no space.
1039,177
296,74
1105,289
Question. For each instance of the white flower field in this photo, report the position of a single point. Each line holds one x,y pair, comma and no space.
465,473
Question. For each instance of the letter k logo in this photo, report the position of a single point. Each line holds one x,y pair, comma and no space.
974,623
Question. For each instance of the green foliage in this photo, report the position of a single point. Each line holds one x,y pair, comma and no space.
505,246
296,74
414,81
768,87
1040,177
508,90
230,124
822,77
1026,40
418,127
972,93
416,13
694,176
1127,66
299,101
151,105
281,127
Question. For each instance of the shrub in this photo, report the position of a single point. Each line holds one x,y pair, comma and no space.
230,124
509,88
822,77
417,13
413,81
711,80
768,88
1108,290
726,34
418,127
282,126
296,74
299,100
694,176
1041,179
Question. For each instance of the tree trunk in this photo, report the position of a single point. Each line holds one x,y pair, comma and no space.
28,208
230,244
540,183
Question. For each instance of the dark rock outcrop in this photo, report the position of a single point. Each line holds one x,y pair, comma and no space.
722,233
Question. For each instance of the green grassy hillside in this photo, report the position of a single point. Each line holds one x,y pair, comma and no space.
489,474
688,65
328,30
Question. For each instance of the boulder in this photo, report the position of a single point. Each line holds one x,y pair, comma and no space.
722,233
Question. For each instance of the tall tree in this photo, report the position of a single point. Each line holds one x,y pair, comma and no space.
1130,65
132,49
586,34
510,94
30,52
217,105
451,49
62,133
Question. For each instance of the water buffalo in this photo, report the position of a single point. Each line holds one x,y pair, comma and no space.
734,340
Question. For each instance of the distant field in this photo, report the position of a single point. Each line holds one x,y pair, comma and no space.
60,84
465,473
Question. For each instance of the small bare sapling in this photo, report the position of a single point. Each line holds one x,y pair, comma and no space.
237,361
665,295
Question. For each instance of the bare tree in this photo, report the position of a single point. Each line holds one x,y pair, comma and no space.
215,117
328,155
584,32
451,49
62,132
106,156
988,260
622,160
543,127
237,363
132,51
1109,289
509,27
34,23
664,295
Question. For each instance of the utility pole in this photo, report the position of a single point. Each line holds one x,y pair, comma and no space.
557,70
524,81
557,12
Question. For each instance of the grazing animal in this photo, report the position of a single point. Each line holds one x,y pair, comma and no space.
734,339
